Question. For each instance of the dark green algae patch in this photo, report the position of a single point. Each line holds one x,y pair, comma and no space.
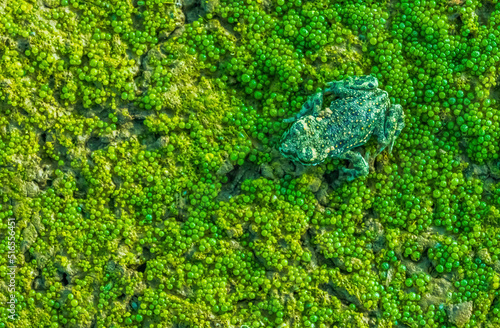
138,156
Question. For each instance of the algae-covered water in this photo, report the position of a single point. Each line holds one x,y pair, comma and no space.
141,185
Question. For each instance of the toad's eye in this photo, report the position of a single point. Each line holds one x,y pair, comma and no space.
307,155
371,85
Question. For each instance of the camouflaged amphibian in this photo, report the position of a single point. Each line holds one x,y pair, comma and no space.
360,110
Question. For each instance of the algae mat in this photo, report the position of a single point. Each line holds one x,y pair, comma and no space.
141,186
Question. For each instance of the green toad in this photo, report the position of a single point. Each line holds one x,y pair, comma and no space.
360,110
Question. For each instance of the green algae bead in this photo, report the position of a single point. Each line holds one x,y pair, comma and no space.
306,257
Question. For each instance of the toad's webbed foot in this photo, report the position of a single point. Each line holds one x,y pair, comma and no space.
311,106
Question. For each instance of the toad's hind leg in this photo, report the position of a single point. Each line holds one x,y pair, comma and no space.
354,86
360,164
311,106
389,128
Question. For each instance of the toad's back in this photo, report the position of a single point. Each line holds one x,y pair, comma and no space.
353,119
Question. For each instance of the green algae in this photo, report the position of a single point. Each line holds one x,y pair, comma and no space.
142,173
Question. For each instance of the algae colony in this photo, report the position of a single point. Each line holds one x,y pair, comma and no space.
139,162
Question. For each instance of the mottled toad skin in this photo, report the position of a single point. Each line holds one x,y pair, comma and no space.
360,110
